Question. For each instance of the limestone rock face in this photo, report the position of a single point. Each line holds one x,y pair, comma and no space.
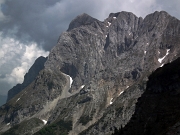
81,20
95,74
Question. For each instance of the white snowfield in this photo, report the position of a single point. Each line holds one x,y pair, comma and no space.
17,99
114,17
82,86
161,59
70,80
120,93
162,65
111,101
45,122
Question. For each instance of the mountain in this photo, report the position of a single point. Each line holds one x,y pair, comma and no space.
95,76
2,99
28,78
158,109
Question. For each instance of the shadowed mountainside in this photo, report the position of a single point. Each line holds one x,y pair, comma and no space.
28,78
158,109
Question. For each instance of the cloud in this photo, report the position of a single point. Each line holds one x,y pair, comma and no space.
15,60
172,7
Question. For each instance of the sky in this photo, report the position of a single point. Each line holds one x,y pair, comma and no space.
30,28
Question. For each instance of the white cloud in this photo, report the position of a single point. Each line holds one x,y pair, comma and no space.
31,53
16,59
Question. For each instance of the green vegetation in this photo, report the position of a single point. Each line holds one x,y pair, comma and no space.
25,127
59,128
85,119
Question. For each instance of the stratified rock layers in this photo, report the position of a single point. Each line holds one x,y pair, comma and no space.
108,64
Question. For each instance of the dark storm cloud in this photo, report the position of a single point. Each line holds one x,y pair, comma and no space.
33,20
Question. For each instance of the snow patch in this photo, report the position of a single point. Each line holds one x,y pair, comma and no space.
158,52
82,86
17,99
45,122
127,87
109,23
8,124
121,93
107,26
162,65
71,81
145,52
106,36
111,101
161,59
114,17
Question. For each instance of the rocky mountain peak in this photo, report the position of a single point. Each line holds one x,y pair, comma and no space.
83,19
95,74
121,14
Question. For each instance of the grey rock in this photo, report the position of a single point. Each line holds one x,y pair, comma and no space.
82,20
109,63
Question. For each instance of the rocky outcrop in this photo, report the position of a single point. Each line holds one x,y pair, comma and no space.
82,20
157,110
28,78
95,74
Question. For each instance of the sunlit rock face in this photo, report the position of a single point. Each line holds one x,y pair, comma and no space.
94,75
